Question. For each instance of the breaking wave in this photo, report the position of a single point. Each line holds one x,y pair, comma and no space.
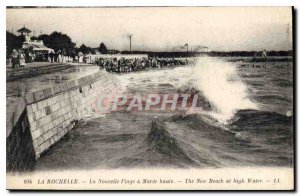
221,85
160,140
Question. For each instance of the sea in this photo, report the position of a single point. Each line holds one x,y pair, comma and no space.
246,121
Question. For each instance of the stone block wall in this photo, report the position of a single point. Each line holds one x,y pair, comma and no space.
52,112
20,154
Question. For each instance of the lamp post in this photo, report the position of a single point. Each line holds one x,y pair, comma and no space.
130,36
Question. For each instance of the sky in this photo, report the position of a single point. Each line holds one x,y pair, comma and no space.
163,28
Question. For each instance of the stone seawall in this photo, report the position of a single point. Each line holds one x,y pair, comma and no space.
20,154
52,112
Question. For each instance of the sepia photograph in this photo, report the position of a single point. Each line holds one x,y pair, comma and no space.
150,98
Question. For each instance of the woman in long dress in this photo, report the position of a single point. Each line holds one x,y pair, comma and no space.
14,58
22,59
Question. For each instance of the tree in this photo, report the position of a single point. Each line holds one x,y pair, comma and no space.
58,41
102,48
34,38
13,42
85,50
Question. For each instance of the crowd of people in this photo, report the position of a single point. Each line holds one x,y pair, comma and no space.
20,57
123,65
49,57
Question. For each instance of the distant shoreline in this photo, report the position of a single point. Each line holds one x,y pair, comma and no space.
256,54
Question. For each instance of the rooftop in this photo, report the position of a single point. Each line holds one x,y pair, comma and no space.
24,30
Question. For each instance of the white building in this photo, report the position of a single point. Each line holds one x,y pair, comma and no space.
35,45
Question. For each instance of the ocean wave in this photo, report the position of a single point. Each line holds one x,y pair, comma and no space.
255,83
274,98
167,85
160,140
249,75
159,148
252,118
283,82
264,128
